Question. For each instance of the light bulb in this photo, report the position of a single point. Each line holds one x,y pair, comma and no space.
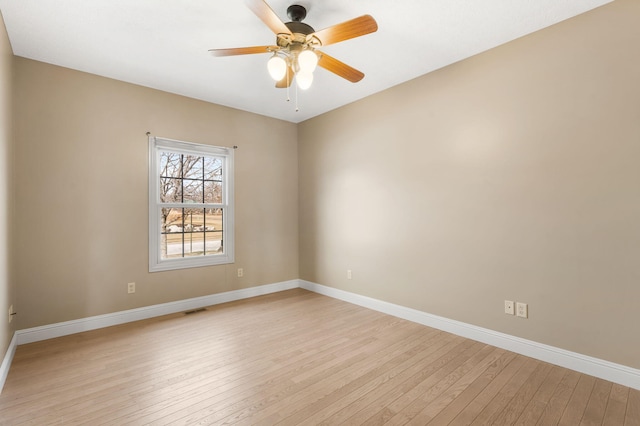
307,60
304,79
277,67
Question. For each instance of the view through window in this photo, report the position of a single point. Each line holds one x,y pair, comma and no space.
191,212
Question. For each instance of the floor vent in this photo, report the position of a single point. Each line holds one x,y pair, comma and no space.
195,311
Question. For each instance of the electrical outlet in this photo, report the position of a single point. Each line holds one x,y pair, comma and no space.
10,314
509,307
522,310
348,274
131,288
240,273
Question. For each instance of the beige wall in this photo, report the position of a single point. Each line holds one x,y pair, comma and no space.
512,175
81,196
6,285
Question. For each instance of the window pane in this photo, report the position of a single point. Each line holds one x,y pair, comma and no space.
214,242
193,220
192,191
171,220
169,164
212,168
171,228
212,192
170,190
213,220
192,167
171,246
214,231
194,244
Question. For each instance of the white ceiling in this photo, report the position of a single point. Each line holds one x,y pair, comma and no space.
164,44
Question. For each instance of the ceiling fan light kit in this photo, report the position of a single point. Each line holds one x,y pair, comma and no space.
301,63
296,53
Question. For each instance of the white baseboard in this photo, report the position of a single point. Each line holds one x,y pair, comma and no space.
606,370
50,331
6,361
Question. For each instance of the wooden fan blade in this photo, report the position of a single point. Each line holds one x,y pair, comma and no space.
286,81
268,16
243,50
339,68
357,27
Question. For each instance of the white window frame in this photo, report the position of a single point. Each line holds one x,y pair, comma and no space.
158,145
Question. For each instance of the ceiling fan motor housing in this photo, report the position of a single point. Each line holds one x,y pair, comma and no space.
299,30
297,13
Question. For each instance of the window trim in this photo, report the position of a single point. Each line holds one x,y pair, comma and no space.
156,263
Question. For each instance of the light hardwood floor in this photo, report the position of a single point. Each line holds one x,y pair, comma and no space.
294,358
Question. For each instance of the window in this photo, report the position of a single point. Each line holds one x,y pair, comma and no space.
190,205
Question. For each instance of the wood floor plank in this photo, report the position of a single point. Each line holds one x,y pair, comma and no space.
575,408
469,375
557,404
295,358
462,400
597,404
502,399
469,413
632,415
533,411
616,405
521,399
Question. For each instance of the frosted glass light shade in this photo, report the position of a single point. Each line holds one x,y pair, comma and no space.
277,68
307,60
304,79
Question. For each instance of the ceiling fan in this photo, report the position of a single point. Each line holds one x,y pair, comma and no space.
296,53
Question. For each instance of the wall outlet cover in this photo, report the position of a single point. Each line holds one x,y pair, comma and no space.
509,307
522,310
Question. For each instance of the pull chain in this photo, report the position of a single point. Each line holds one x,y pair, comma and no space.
288,84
